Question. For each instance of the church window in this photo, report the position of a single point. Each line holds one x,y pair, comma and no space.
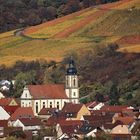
43,104
67,81
50,104
36,107
74,82
57,105
26,95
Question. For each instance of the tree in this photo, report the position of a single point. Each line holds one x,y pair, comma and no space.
137,138
114,94
11,138
23,79
18,134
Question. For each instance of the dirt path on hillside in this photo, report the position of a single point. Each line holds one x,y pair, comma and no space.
33,29
91,18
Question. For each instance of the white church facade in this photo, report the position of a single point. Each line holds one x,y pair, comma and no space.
52,95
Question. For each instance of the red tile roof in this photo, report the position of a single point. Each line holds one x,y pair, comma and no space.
71,108
47,111
54,120
10,109
22,112
5,101
3,123
97,118
92,104
70,126
70,122
125,120
30,121
51,91
115,108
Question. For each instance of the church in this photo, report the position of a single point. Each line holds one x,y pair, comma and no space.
52,95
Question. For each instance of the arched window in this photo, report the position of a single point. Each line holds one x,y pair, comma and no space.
50,104
43,105
36,107
57,105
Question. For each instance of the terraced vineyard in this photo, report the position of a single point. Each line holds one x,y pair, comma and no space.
80,31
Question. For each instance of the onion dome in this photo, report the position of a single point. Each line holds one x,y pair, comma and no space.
71,70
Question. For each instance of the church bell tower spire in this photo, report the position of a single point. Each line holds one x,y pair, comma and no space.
71,85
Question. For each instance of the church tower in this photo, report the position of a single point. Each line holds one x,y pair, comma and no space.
71,85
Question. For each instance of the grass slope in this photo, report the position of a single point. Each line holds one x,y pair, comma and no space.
78,32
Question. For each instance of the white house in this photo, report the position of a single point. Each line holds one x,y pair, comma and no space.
5,83
52,95
3,114
29,124
95,106
1,95
4,88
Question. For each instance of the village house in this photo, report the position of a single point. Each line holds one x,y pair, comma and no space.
1,95
28,124
8,102
3,114
75,111
52,95
46,113
3,125
121,132
21,112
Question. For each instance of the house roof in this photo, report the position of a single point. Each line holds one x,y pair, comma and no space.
30,121
126,120
70,126
115,108
51,91
5,101
47,111
70,122
22,112
3,123
53,120
92,104
76,127
71,108
99,118
11,109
